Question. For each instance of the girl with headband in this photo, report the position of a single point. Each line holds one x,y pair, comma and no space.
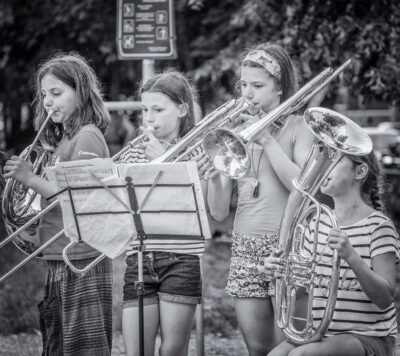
278,153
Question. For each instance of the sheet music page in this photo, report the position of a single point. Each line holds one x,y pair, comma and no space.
110,233
178,198
194,177
79,174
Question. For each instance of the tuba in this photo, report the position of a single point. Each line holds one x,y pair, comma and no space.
228,151
335,136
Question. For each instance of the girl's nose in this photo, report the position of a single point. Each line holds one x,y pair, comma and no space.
148,117
248,92
47,102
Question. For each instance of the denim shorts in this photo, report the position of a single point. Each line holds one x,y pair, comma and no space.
167,276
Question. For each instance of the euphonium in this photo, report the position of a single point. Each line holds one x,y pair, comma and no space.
228,151
335,135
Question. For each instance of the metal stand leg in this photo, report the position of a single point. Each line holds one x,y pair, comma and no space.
140,292
199,330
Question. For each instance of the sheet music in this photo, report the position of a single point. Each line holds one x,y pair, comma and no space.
78,174
194,177
168,209
111,234
170,198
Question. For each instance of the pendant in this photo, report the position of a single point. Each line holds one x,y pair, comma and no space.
255,184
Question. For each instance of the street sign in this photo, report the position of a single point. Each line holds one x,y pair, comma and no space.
146,29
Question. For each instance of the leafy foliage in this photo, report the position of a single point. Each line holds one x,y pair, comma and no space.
316,35
210,37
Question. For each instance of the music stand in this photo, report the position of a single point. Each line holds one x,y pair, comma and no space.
161,197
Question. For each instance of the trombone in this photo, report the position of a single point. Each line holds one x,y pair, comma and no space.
224,114
228,151
22,225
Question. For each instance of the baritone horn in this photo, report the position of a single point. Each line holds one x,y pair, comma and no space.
335,136
21,205
228,151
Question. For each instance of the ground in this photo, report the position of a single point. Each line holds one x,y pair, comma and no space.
221,336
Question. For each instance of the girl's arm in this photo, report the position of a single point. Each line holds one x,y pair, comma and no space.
378,282
284,167
217,189
22,171
219,196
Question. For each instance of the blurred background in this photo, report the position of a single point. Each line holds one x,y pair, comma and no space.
210,37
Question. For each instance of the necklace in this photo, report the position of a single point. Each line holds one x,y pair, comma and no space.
255,183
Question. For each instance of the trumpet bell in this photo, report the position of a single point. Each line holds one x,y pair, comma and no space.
337,131
227,153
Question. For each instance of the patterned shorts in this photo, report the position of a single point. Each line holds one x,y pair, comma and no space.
246,279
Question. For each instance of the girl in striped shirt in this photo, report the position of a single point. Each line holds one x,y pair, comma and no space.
171,272
364,319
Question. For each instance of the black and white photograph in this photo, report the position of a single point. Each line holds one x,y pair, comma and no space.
199,178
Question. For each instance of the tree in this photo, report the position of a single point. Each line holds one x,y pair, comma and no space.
32,31
211,35
315,35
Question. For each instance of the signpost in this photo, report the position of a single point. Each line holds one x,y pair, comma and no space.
146,29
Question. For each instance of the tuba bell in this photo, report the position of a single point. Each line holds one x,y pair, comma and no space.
335,136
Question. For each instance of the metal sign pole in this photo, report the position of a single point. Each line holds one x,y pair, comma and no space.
147,69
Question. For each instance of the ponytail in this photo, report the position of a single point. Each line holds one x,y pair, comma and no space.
372,187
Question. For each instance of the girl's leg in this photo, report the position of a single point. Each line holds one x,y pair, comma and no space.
282,349
176,326
338,345
279,336
256,321
130,329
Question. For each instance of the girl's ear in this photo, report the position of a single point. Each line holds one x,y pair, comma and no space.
361,171
183,110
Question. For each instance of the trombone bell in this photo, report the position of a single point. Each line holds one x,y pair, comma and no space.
227,153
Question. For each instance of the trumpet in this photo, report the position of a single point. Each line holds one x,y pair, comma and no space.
228,151
335,135
137,140
21,208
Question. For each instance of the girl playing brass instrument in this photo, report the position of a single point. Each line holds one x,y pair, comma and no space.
76,313
267,78
172,279
364,318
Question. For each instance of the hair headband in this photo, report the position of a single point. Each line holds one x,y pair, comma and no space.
266,61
